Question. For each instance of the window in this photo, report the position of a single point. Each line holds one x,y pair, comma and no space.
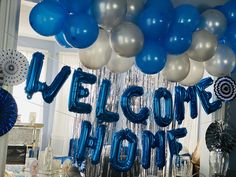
63,123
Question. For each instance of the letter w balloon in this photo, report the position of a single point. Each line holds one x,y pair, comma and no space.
33,84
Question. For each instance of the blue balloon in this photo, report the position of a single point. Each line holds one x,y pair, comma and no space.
126,98
178,40
234,71
47,18
181,96
229,10
164,7
150,141
174,146
77,91
33,84
162,121
94,143
73,149
50,92
230,36
187,16
152,59
222,40
161,149
101,113
61,40
32,81
205,96
116,162
75,6
81,30
153,23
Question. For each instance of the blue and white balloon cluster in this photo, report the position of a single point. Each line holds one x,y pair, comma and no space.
179,41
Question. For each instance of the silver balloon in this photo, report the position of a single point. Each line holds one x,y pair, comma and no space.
127,39
214,21
97,55
203,47
176,68
119,64
222,63
109,13
195,74
134,7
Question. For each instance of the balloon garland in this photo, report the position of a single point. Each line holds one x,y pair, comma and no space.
146,30
8,113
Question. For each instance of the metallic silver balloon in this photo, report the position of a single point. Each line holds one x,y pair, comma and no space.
97,55
127,39
109,13
203,47
134,7
195,74
176,68
214,21
222,63
118,64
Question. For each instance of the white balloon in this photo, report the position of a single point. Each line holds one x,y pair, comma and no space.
118,64
176,68
97,55
195,74
109,13
222,63
127,39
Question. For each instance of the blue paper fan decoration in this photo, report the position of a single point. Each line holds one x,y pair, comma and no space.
8,112
225,88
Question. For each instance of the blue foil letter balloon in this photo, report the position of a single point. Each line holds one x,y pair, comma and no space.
101,113
181,96
140,117
150,141
206,96
157,107
33,84
73,149
86,141
174,146
115,160
77,91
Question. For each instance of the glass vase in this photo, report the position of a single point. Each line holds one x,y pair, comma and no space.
218,163
182,165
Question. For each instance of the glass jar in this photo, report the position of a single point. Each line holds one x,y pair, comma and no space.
218,163
182,165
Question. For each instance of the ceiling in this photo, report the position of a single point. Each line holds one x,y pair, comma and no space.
26,6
